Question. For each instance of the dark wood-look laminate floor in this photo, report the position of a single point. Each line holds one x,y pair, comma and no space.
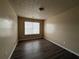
40,49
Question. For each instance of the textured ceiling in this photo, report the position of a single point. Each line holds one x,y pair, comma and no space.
30,8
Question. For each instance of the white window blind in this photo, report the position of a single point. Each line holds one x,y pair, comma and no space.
32,28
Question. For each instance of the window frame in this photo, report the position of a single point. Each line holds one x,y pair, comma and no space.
35,22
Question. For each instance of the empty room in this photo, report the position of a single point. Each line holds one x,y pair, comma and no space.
39,29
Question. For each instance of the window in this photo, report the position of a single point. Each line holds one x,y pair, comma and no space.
32,28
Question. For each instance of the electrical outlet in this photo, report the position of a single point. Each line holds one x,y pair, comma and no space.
64,42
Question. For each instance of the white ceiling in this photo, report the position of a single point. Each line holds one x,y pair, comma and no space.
30,8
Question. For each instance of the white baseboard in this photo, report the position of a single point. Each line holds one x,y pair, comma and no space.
64,48
12,51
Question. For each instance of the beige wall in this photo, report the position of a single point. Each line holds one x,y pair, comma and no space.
63,29
21,35
8,29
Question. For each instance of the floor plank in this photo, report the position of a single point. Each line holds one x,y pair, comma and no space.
41,49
